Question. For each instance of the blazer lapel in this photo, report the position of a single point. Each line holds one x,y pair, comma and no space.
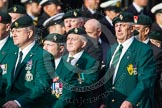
4,50
30,54
125,60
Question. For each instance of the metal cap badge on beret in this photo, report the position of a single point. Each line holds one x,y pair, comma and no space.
79,31
143,20
5,17
17,9
74,13
123,17
56,19
156,35
30,1
46,2
112,5
157,8
24,21
54,37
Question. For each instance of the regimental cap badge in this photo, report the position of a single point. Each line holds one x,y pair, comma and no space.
75,13
76,30
121,17
14,9
135,19
118,4
16,24
55,38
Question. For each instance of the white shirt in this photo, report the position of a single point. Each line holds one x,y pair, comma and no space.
160,26
125,45
25,52
109,20
92,11
3,41
146,41
76,57
138,8
57,61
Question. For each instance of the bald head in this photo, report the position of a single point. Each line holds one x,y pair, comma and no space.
93,28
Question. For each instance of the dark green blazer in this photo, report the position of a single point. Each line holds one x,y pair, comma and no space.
73,92
30,93
133,86
8,48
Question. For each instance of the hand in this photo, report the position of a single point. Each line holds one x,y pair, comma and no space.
103,106
10,104
126,104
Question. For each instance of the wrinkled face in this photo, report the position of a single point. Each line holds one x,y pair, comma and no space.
20,36
59,29
35,8
123,31
74,43
71,23
2,3
3,30
91,31
51,47
52,9
15,16
141,3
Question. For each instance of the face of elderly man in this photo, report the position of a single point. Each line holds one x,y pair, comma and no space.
2,3
22,36
75,43
141,3
71,23
92,4
123,31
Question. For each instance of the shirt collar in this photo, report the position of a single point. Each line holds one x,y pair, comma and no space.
3,41
27,49
138,8
76,57
57,61
127,43
92,11
146,41
109,20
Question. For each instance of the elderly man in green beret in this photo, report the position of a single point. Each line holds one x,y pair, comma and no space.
16,12
143,26
81,73
73,19
6,47
130,68
29,69
156,38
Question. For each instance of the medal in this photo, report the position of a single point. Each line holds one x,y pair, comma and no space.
81,78
4,68
28,76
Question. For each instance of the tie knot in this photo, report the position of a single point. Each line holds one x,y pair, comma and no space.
70,59
20,53
120,47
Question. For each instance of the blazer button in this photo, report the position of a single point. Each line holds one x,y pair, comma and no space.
138,104
113,88
113,100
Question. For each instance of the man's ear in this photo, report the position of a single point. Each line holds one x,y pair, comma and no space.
147,30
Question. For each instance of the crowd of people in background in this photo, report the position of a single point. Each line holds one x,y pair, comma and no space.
100,55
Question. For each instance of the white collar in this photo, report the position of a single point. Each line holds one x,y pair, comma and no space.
27,49
109,20
127,43
138,8
3,41
146,41
76,57
92,11
57,61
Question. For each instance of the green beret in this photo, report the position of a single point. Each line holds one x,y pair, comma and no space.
123,17
143,20
5,17
17,9
79,31
57,38
24,21
155,35
75,13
